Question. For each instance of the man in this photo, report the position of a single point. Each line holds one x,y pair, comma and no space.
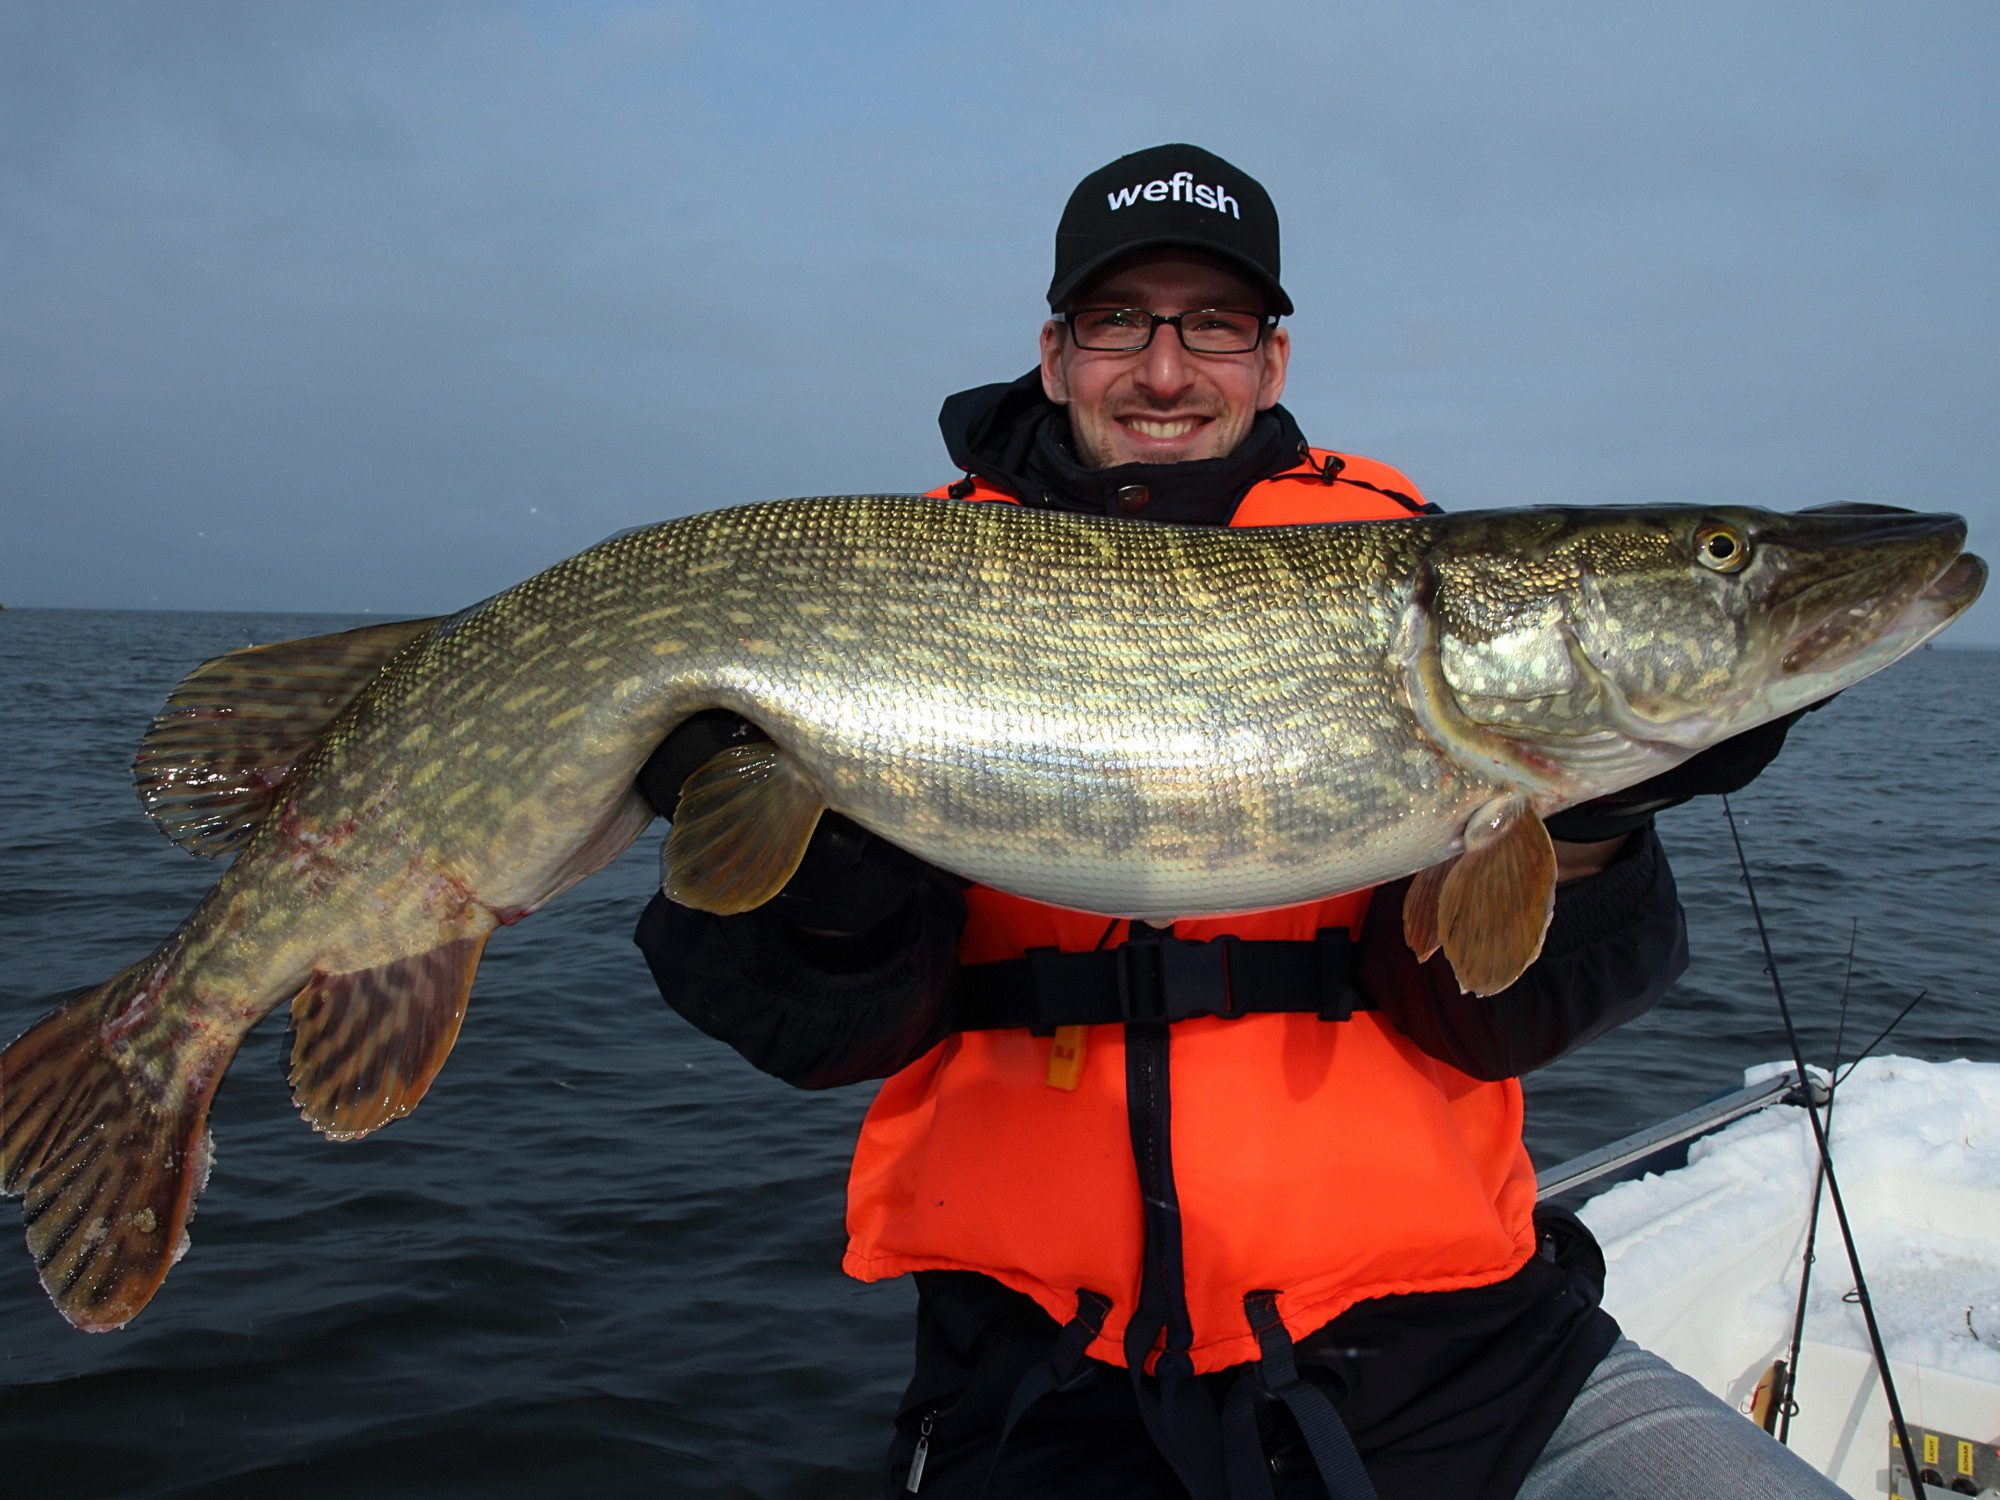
1164,1250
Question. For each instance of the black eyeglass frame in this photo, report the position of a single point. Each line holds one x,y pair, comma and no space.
1266,322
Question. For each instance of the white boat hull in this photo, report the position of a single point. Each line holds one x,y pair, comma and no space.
1703,1263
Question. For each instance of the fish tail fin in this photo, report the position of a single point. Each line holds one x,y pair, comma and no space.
107,1170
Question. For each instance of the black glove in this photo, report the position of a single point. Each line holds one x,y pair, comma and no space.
690,747
1720,769
849,881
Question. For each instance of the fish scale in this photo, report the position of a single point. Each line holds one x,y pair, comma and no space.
1118,717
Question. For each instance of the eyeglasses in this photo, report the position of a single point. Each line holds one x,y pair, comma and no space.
1122,330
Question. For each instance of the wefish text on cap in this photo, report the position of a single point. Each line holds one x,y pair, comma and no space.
1171,190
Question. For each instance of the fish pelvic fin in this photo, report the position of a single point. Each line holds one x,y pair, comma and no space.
226,743
1495,900
366,1044
1420,910
741,829
108,1172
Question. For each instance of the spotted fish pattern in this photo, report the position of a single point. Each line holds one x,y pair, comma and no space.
1124,718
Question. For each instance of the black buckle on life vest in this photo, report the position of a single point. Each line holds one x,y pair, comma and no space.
1174,980
1335,951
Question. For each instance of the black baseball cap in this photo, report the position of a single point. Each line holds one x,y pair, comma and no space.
1168,197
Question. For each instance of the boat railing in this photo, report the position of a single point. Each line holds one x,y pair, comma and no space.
1780,1089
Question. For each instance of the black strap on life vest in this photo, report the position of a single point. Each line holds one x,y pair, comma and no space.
1275,1377
1171,979
1178,1410
1329,471
1064,1369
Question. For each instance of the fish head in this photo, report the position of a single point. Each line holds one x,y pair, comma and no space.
1599,646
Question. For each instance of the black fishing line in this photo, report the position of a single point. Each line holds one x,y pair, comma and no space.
1861,1296
1788,1379
1880,1037
1846,986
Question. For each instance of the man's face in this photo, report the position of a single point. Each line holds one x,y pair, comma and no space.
1163,404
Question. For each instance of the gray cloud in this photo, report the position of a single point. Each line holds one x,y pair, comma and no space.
385,306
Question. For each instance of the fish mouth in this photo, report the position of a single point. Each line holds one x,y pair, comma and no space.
1912,581
1958,585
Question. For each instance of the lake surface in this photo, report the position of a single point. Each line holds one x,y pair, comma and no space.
602,1258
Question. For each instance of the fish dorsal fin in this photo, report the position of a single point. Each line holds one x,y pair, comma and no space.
225,744
1493,902
366,1045
740,831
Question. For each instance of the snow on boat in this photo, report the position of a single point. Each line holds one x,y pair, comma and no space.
1703,1265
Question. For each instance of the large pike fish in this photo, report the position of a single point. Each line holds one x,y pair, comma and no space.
1131,719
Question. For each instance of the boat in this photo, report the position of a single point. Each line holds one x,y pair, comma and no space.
1704,1254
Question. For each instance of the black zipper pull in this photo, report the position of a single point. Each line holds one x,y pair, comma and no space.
923,1452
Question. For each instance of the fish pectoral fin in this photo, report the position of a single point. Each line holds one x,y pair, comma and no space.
108,1171
366,1044
1420,910
1494,904
741,829
225,744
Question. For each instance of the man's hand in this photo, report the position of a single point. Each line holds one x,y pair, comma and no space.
1576,861
1720,769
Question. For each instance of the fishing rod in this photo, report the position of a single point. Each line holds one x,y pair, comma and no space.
1862,1298
1836,1076
1788,1376
1788,1372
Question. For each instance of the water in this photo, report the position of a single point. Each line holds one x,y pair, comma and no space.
601,1258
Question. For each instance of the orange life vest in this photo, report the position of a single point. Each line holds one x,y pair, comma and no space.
1331,1160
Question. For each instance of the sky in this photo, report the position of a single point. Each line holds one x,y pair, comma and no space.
381,306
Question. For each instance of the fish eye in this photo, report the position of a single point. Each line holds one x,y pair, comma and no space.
1723,548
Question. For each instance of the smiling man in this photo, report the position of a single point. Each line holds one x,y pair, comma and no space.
1176,1235
1138,408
